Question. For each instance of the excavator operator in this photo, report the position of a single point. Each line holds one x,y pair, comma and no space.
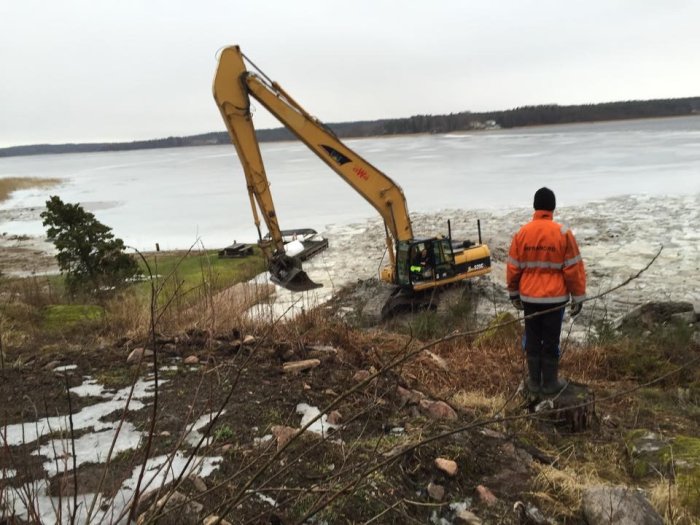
421,268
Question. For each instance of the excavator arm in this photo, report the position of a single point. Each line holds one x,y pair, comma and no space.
234,84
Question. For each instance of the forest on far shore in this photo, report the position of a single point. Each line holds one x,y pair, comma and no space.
463,121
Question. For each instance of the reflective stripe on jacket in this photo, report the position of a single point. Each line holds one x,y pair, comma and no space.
544,263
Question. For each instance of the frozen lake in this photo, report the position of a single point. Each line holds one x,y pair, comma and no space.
176,196
625,188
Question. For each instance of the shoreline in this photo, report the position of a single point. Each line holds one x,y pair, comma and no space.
112,147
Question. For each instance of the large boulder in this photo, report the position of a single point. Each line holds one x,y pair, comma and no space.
603,505
648,453
648,315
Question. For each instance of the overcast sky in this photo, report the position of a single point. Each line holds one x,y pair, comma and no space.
115,70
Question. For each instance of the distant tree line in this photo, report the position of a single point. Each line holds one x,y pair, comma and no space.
464,121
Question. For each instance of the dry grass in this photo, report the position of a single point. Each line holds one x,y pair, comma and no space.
11,184
476,400
559,490
665,498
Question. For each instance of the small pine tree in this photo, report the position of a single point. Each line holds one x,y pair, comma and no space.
89,256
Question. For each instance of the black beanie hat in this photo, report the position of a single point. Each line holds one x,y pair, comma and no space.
545,200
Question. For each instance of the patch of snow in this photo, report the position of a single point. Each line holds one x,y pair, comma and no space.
65,368
89,388
159,471
90,448
320,426
88,417
266,499
194,435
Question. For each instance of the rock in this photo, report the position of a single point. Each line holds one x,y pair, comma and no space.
180,509
334,418
485,495
191,360
409,397
437,409
324,353
306,386
435,491
137,354
651,314
300,366
361,375
649,454
621,505
199,484
249,340
528,513
493,434
283,434
51,365
439,361
465,517
164,434
687,317
213,518
447,466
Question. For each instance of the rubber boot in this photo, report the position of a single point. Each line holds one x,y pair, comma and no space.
534,369
551,384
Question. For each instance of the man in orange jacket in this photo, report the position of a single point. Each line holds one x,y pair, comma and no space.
544,272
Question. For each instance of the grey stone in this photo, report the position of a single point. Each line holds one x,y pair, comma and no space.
653,313
435,491
137,354
603,505
465,517
687,317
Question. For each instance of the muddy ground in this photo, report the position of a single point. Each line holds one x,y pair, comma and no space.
364,469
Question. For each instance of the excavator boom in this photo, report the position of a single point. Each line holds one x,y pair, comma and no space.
231,95
441,261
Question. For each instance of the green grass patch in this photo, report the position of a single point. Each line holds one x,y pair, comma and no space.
65,316
193,274
117,377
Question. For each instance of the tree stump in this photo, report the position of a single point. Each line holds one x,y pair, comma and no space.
573,408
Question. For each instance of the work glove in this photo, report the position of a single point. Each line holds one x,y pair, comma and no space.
517,304
576,308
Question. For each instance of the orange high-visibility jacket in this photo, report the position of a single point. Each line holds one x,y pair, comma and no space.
544,263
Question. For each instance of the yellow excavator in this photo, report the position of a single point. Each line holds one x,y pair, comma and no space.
415,265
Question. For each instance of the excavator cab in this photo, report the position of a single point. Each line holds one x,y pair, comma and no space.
423,261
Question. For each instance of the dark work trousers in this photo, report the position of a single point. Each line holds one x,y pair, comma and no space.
542,332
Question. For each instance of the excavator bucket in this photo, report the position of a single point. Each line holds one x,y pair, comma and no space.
286,272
